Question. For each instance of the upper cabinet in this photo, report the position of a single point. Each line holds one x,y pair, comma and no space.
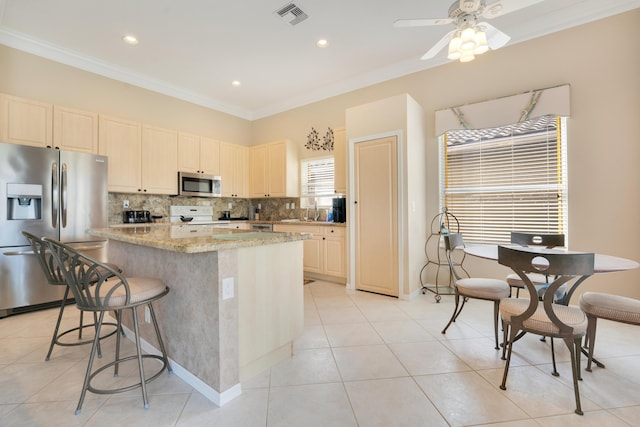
75,130
26,122
121,141
234,165
340,161
159,160
198,154
274,170
142,159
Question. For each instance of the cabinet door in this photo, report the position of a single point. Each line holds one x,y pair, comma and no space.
258,184
209,156
26,122
277,169
241,179
75,130
227,169
340,161
334,256
312,258
188,153
121,141
234,164
159,160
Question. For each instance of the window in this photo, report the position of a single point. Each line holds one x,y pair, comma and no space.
317,182
511,178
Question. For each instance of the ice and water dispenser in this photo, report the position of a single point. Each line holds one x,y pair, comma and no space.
24,201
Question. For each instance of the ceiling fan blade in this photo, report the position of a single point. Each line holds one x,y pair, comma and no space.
502,7
438,46
495,38
421,22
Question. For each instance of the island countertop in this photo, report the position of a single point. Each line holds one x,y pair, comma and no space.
195,238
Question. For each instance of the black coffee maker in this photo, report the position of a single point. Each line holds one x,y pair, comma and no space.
339,209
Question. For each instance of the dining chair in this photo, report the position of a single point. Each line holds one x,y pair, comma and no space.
56,277
597,305
530,240
472,287
98,288
545,317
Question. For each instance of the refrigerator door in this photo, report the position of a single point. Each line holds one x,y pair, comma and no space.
27,178
22,282
83,195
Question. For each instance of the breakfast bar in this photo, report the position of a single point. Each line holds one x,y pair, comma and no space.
235,302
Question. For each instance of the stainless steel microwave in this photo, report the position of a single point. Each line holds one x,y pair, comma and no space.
199,185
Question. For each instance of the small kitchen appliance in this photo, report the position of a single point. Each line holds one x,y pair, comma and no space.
339,209
136,217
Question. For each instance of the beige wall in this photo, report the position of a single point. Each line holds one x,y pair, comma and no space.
600,60
28,76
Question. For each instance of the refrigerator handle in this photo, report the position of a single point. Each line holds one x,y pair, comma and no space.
63,194
54,194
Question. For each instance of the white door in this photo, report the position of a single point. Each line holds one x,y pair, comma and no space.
376,224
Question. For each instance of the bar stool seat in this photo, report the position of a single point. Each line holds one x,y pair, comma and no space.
55,277
98,288
597,305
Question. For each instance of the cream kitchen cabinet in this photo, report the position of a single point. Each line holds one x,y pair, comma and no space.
325,252
159,160
26,122
274,170
142,159
198,154
234,164
239,225
121,141
75,130
340,161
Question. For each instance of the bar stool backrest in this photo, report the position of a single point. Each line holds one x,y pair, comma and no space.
53,274
88,279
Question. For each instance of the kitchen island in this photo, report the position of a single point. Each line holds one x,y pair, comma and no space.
235,302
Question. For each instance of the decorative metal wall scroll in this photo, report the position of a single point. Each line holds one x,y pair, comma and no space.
315,143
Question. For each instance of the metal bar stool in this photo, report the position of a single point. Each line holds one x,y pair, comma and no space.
87,279
55,277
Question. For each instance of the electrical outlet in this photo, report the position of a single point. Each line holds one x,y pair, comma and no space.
293,205
287,206
147,315
125,204
229,206
227,288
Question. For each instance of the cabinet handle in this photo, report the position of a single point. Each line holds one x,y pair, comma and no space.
332,231
324,238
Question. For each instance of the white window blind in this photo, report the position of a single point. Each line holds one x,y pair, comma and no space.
317,182
511,178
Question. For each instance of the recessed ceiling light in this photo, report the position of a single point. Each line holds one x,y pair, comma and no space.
129,39
322,43
235,83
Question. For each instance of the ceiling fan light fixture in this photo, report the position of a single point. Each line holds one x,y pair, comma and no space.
467,56
481,43
454,48
468,39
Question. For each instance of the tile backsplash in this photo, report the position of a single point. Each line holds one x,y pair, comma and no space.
272,209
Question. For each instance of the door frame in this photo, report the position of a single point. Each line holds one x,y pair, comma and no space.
351,275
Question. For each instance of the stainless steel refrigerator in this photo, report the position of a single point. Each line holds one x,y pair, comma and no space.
48,192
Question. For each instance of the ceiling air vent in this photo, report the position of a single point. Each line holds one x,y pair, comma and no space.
292,14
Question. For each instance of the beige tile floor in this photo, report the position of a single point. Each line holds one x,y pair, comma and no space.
364,360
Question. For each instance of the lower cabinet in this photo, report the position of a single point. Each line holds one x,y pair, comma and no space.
239,225
325,253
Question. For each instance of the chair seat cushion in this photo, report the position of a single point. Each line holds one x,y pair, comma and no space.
475,287
539,321
143,289
611,307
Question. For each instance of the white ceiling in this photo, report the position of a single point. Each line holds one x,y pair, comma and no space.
194,49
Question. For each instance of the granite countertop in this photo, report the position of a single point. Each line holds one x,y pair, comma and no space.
251,221
194,239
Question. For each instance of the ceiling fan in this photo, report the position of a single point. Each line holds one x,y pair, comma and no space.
470,37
